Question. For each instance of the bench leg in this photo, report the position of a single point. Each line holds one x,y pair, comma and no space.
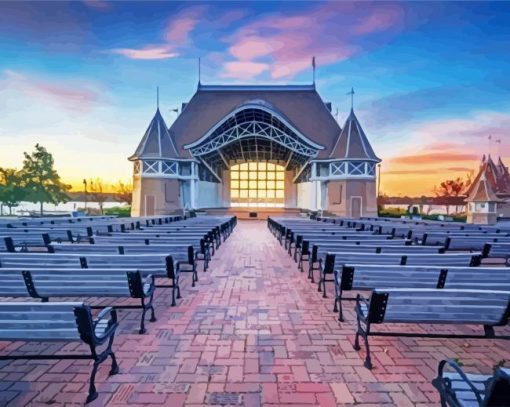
115,367
142,321
174,288
98,359
340,308
194,274
356,346
335,305
92,388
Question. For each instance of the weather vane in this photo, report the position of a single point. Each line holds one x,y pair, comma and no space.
352,97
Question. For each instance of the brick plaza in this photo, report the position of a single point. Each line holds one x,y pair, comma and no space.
254,332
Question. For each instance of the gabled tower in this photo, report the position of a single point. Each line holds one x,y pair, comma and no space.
482,202
352,176
159,172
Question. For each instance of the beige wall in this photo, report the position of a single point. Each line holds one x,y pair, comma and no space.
482,218
166,194
290,191
504,209
340,193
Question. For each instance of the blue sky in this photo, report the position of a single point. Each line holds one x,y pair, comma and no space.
431,79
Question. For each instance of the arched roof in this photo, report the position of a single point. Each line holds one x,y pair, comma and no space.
301,106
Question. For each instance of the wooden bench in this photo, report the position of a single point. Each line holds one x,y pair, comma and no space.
368,277
336,260
459,389
64,322
319,250
430,306
158,265
50,283
498,250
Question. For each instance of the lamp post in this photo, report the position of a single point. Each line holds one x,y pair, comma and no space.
85,190
378,180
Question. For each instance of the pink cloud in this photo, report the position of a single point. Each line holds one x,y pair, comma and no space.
467,139
156,52
101,5
72,96
331,32
180,27
378,21
253,47
243,69
176,36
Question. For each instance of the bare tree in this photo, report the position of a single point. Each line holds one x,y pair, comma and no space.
448,191
97,193
123,192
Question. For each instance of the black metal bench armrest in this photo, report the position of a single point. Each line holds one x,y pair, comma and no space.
149,279
359,312
454,365
112,323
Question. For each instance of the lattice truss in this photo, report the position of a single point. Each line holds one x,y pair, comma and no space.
352,168
160,167
258,123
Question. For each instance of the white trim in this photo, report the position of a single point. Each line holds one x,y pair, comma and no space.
260,107
159,138
361,138
146,135
256,87
348,139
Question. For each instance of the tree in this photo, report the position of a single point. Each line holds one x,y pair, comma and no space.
123,192
41,180
12,191
97,193
448,191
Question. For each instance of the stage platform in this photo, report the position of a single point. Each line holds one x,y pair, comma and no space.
255,213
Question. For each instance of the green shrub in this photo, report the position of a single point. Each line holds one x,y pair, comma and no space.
120,211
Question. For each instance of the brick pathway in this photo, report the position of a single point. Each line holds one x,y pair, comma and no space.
254,331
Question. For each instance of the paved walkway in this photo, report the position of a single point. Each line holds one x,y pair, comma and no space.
254,331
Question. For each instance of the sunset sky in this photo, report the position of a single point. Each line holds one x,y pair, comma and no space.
432,80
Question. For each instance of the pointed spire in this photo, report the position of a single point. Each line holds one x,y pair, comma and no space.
313,70
157,141
157,97
482,191
352,143
199,72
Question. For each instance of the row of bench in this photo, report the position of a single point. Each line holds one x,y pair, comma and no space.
126,266
407,287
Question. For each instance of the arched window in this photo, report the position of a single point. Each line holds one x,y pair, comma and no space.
257,184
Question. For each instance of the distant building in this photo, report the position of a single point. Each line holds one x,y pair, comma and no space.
488,197
256,148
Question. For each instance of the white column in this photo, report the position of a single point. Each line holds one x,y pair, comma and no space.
318,193
314,187
192,194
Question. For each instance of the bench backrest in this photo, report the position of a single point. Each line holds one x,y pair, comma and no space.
29,321
445,306
357,276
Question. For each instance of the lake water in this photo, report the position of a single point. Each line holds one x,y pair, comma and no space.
25,207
